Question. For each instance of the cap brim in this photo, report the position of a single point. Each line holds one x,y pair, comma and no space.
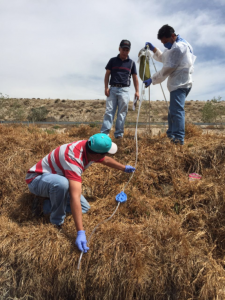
113,149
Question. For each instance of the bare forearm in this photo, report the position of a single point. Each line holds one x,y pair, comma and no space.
112,163
106,80
76,212
136,84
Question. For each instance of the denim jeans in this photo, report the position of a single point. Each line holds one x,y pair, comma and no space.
119,96
176,115
56,188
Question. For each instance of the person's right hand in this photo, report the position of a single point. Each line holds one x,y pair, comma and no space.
129,169
81,241
107,92
151,47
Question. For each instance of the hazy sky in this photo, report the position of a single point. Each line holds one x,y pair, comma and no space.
59,49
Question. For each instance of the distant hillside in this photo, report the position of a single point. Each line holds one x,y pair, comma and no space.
91,110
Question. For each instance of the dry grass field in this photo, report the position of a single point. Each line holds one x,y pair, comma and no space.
167,242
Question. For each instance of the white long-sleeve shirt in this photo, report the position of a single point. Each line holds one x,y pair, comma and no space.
177,65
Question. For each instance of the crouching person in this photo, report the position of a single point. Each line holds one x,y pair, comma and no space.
58,177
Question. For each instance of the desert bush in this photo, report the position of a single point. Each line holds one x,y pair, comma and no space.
216,100
3,99
93,125
212,111
19,114
15,104
38,114
26,102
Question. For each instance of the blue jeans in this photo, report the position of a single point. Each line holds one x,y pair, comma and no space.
56,188
176,115
119,96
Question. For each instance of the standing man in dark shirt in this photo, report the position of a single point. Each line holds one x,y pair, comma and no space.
120,68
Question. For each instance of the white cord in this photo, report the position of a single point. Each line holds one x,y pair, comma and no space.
78,266
160,85
79,262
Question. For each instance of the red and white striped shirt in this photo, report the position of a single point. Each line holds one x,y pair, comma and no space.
69,160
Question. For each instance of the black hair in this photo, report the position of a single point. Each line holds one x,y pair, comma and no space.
165,31
88,149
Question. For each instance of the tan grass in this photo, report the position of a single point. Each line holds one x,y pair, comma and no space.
166,242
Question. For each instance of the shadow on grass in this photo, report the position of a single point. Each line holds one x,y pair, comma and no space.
28,208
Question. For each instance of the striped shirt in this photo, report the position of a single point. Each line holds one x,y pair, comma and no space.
69,160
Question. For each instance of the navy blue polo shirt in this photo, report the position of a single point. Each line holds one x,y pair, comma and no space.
121,70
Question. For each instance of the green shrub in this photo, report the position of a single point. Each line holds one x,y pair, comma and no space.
3,98
50,131
216,100
93,125
212,111
19,114
38,114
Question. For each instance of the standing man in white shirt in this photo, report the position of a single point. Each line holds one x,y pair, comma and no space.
178,61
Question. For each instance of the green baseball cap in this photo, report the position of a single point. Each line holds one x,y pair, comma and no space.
101,143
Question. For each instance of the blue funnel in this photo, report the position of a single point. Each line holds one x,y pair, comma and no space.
121,197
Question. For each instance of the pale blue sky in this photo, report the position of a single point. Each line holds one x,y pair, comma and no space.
59,49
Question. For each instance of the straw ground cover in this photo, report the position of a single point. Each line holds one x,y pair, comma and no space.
166,242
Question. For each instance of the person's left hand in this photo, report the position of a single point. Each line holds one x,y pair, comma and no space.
147,82
136,95
129,169
151,47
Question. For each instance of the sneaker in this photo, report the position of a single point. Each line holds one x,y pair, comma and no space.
118,137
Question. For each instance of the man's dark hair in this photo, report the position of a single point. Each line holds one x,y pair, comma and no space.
88,150
165,31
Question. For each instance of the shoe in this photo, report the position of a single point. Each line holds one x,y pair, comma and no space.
119,137
177,142
59,227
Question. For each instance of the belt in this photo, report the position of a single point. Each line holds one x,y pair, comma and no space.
119,85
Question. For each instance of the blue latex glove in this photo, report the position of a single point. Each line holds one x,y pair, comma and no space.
129,169
151,47
147,82
81,241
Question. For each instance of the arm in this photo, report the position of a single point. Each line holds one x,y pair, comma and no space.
107,74
161,75
75,193
136,85
112,163
157,55
172,62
